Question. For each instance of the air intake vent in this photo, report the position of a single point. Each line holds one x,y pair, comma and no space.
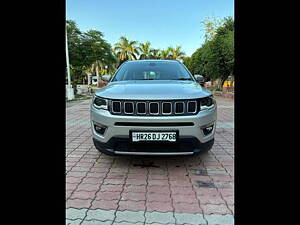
166,108
141,107
191,106
116,107
154,108
179,107
128,107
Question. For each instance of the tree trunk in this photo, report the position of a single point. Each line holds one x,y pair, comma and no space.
222,83
75,80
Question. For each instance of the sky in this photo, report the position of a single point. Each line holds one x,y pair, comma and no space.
162,22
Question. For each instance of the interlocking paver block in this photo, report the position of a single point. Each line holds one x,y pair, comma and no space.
167,182
132,205
73,214
129,216
187,218
219,219
160,224
159,206
215,209
105,204
79,203
96,222
73,222
101,215
159,217
128,223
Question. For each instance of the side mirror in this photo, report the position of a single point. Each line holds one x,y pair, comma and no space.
199,78
106,78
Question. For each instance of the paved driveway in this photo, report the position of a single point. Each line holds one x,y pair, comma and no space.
138,190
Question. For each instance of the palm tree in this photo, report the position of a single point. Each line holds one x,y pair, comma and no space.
176,53
145,50
154,54
165,54
126,50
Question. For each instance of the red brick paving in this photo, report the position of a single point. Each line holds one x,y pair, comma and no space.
79,203
97,181
132,205
187,207
159,206
215,209
108,196
105,204
154,197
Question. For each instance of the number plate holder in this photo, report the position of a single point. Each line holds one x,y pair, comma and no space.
134,132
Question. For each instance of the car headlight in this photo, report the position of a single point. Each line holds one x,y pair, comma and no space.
207,103
100,103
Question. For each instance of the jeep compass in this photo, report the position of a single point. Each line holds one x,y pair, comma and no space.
153,107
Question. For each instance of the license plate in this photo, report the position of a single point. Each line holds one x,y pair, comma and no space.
137,136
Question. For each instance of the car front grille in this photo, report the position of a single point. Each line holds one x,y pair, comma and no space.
154,108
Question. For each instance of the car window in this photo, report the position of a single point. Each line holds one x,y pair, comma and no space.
152,71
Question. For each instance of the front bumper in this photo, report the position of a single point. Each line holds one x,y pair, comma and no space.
116,140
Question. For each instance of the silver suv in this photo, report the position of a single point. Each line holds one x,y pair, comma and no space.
153,107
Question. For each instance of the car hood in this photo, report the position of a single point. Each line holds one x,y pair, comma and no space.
153,90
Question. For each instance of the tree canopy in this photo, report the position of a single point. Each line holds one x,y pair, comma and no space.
215,58
86,49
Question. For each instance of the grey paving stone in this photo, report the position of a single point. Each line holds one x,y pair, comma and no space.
101,215
159,217
214,219
128,223
73,222
225,125
130,216
160,224
188,218
73,214
96,222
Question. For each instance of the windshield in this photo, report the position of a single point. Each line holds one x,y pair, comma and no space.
152,71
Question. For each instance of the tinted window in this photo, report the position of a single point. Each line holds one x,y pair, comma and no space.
152,71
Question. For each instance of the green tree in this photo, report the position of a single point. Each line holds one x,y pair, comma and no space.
176,53
86,48
165,53
155,54
215,58
210,25
221,51
126,50
145,50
